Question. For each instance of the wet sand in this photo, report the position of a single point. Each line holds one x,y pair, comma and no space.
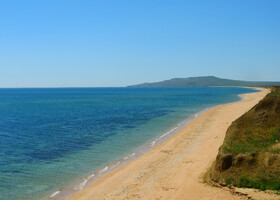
174,169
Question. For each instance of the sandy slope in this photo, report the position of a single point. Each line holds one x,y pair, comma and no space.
174,169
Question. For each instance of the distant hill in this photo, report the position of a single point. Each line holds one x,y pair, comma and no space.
204,81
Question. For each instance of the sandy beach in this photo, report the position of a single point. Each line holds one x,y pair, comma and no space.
174,169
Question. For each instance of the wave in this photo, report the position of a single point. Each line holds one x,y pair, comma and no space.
54,194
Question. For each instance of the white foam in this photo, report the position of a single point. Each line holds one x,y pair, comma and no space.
165,134
55,193
103,170
126,158
118,163
81,185
153,143
160,137
90,176
132,154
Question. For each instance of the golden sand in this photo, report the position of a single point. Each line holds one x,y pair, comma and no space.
175,168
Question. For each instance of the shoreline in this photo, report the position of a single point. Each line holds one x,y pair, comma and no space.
76,186
126,180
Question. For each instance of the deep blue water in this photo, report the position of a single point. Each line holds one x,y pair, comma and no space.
50,137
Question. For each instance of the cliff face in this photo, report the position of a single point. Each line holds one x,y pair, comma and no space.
250,154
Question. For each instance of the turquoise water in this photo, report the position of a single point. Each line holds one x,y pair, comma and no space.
52,137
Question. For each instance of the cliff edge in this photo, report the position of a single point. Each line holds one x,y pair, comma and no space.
250,154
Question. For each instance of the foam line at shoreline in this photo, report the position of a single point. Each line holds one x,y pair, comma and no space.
84,182
73,188
163,172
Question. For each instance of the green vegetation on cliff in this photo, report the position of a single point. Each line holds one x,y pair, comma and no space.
204,81
250,155
258,130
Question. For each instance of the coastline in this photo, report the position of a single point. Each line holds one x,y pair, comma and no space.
79,184
174,168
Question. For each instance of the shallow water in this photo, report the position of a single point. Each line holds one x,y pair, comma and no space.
52,137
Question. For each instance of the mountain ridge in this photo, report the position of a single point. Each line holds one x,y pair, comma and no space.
204,81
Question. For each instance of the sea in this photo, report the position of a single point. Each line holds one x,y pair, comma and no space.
55,141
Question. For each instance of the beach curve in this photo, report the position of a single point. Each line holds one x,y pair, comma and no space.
174,168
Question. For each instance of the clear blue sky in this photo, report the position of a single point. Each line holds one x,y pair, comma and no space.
56,43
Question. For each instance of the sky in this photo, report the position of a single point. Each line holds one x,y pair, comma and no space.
103,43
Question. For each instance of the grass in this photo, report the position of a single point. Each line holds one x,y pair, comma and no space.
259,184
258,129
228,181
253,141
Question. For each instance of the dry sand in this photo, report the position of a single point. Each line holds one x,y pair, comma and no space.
175,168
